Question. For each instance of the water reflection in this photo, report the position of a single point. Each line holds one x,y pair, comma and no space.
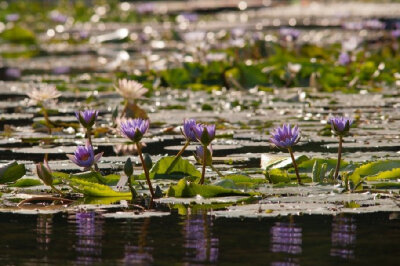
89,231
44,230
199,242
286,238
140,253
343,237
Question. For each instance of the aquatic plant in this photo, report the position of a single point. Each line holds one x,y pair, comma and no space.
134,129
41,97
130,90
199,156
205,134
188,133
87,119
44,173
128,170
340,127
84,156
285,137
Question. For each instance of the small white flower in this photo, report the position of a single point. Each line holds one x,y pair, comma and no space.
44,93
294,68
130,89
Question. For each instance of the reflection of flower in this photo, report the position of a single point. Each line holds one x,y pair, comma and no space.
343,237
199,243
84,156
286,237
44,93
130,89
138,255
89,233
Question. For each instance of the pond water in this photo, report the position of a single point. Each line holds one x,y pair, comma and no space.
199,239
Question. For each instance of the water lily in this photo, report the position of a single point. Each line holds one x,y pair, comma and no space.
134,129
285,137
200,155
204,133
130,89
44,94
87,118
294,68
84,156
344,59
340,127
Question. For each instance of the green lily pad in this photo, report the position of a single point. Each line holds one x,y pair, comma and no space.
26,182
11,172
187,189
95,190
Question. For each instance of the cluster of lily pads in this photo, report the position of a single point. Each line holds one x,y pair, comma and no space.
284,137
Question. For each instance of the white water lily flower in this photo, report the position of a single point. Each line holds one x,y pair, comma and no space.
44,93
130,89
294,68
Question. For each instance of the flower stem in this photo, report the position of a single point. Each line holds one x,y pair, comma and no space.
46,118
133,191
124,110
146,172
203,170
176,158
295,165
89,137
56,190
339,157
216,170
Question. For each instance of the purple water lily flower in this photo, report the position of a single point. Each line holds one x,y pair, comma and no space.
344,59
204,133
340,125
12,17
187,131
200,154
290,34
134,129
285,137
87,118
84,156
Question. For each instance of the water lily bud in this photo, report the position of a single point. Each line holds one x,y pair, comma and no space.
128,168
148,161
44,173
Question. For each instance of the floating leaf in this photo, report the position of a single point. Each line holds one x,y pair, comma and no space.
26,182
181,169
187,189
94,177
244,181
11,172
96,190
391,174
281,176
373,168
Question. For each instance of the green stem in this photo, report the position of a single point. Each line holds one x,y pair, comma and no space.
46,118
176,158
89,137
56,190
339,158
133,191
295,166
203,170
124,110
146,172
217,171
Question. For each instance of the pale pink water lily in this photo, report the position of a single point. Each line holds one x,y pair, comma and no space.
130,89
44,93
